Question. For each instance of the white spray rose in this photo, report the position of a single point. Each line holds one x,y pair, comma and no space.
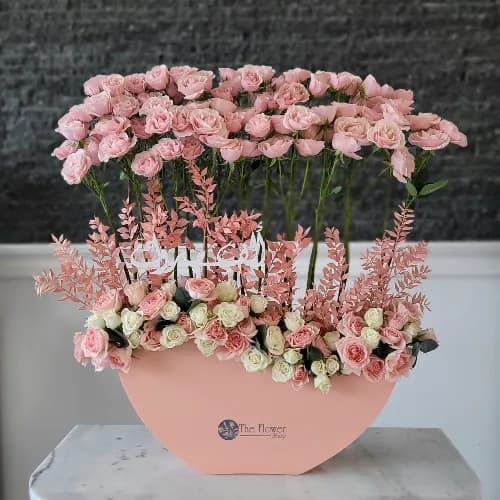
370,336
206,346
322,383
170,311
293,321
112,319
292,356
274,341
173,336
199,314
318,367
255,360
170,287
131,321
134,339
229,314
282,371
332,365
413,329
331,339
258,304
95,321
374,317
226,291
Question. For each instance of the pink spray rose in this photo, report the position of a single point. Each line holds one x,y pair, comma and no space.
309,147
326,114
191,148
259,125
113,84
200,289
79,112
215,331
152,304
135,83
393,337
302,337
180,121
157,77
155,103
232,150
222,105
386,134
147,163
371,87
169,149
139,128
158,122
319,83
278,125
76,167
206,121
351,325
71,128
177,71
393,114
110,125
296,75
346,109
95,343
345,82
375,369
320,344
249,148
119,358
78,354
291,93
398,364
150,338
65,149
125,105
186,323
135,292
397,319
354,353
300,377
452,131
247,327
234,121
251,78
236,344
106,302
98,104
276,146
192,85
346,145
299,118
423,121
357,128
115,145
403,164
429,139
93,85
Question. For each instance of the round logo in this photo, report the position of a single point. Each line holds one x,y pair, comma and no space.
228,429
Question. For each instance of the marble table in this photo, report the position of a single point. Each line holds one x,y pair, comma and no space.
124,462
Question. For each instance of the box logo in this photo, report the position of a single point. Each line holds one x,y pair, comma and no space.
229,429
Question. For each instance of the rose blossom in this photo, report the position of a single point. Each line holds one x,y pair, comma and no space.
403,164
386,134
357,128
320,344
77,348
274,340
259,125
326,114
191,148
278,126
110,125
78,112
300,377
222,105
119,358
354,353
115,145
91,147
71,128
125,105
289,94
345,82
177,71
180,121
169,149
397,319
251,78
207,347
255,360
346,145
393,337
299,118
234,121
200,289
93,85
375,369
157,77
247,327
232,150
249,148
152,304
309,147
319,83
398,364
235,345
282,371
293,320
98,104
429,139
423,121
276,146
95,343
76,167
214,331
350,325
150,339
113,84
109,301
192,85
302,337
227,74
452,131
391,113
158,122
65,149
135,292
147,163
296,75
156,103
186,323
135,83
206,121
230,314
346,109
138,126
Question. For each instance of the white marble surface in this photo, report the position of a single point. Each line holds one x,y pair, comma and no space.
123,462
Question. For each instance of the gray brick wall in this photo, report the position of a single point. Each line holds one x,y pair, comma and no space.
446,50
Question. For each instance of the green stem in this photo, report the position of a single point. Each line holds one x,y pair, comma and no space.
265,203
347,212
290,220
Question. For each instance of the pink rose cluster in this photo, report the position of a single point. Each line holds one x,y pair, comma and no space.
247,112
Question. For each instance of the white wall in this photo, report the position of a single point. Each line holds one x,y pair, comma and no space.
43,392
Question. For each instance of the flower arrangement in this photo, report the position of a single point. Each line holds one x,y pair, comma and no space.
234,293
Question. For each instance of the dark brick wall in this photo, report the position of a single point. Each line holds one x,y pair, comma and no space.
446,50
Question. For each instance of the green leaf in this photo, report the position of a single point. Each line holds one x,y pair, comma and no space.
336,189
412,190
314,354
182,299
194,303
431,188
123,176
415,349
428,345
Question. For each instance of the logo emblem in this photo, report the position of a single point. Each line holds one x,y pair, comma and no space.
228,429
